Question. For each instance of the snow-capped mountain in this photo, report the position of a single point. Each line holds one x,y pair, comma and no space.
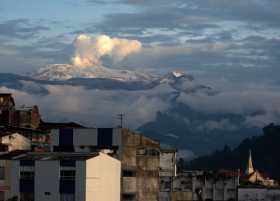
68,71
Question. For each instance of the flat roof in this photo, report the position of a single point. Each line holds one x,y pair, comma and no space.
48,156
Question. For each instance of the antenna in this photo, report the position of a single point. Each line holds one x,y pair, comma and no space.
121,118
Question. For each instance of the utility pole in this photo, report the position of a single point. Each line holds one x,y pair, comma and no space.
121,118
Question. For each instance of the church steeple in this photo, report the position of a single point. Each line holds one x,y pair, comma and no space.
250,168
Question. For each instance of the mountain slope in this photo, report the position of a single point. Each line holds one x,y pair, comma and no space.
265,154
190,129
68,71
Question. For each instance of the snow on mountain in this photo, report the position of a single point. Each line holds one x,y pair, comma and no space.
68,71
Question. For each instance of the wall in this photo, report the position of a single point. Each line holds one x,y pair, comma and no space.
14,178
141,154
86,137
47,180
182,196
258,194
103,178
167,163
80,185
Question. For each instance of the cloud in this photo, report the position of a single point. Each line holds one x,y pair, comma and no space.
258,104
90,49
223,124
93,107
20,28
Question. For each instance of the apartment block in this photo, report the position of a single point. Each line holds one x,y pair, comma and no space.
63,177
139,156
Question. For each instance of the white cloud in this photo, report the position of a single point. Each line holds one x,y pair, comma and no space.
95,107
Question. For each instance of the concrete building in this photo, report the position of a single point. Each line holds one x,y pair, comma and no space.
23,117
200,185
27,117
258,194
216,186
168,162
139,156
63,177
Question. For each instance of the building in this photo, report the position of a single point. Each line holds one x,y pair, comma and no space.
22,117
258,193
40,139
200,185
215,185
10,142
62,177
7,108
139,156
168,162
27,117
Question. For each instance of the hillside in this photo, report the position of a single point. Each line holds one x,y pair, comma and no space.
265,152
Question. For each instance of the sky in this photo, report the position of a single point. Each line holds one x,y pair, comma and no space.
237,40
233,46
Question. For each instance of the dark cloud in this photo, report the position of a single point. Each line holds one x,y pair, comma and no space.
20,28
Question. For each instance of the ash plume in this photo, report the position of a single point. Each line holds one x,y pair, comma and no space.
89,49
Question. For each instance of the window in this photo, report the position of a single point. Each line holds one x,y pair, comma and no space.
27,175
2,173
153,152
67,174
128,197
105,137
67,163
129,173
141,151
27,162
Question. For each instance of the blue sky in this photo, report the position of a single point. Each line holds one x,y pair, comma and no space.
239,39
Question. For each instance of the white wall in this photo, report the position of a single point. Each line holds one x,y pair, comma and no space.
103,178
167,164
47,180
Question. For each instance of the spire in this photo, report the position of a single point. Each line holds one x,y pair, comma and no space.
250,168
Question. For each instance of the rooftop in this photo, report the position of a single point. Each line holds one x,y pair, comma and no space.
47,156
54,125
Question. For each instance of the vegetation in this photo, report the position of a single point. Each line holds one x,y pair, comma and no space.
265,153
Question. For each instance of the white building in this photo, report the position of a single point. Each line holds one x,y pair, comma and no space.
64,177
